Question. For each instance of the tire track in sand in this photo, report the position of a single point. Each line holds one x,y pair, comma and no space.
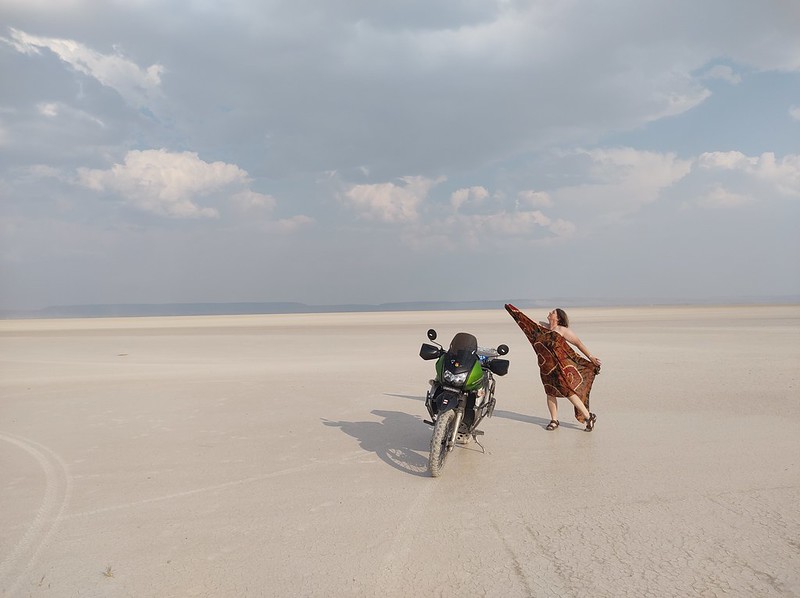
15,566
393,573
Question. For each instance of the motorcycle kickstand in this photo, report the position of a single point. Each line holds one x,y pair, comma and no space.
475,438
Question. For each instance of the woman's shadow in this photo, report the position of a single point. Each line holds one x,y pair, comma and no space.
401,440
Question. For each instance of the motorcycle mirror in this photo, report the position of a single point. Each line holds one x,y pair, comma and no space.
502,349
432,334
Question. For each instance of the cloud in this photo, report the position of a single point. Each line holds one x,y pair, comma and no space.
536,199
491,231
290,225
133,83
59,109
522,218
794,112
468,195
389,202
248,200
167,184
424,224
520,224
781,175
724,73
719,197
621,181
517,76
49,109
637,169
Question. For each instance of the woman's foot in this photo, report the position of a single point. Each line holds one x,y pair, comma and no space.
552,425
590,422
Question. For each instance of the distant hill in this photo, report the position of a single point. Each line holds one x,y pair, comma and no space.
220,309
215,309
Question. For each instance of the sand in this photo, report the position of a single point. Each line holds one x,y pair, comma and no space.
285,455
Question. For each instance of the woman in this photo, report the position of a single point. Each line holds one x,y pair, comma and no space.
564,372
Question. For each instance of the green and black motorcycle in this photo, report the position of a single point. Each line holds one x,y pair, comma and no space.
462,393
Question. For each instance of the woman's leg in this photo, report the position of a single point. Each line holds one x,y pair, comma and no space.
578,404
552,406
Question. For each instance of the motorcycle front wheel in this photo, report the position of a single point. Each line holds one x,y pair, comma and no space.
442,432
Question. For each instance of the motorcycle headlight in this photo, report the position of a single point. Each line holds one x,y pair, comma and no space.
457,379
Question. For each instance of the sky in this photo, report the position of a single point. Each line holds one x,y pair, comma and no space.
354,151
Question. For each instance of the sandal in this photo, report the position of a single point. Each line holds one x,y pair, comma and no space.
590,422
552,425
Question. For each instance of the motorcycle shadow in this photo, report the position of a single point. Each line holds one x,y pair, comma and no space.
527,419
398,440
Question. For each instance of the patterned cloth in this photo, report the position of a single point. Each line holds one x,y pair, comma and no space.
563,371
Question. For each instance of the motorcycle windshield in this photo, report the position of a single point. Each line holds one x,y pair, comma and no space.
463,341
462,352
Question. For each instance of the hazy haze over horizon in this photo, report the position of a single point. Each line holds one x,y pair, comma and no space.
351,152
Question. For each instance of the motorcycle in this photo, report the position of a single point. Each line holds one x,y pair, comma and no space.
462,394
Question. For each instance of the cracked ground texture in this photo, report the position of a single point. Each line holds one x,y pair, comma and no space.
286,456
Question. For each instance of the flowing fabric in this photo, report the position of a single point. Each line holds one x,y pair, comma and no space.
563,371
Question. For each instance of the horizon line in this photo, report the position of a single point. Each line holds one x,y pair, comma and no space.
198,308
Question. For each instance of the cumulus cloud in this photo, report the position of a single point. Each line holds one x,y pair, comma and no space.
133,83
794,112
500,222
720,197
168,183
520,224
390,202
562,228
536,199
637,169
622,180
468,195
782,175
725,160
492,231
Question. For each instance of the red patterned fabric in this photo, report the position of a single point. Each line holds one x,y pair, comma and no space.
563,371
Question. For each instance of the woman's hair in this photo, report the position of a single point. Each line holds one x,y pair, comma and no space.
563,320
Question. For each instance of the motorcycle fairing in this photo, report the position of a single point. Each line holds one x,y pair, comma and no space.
476,377
461,358
456,363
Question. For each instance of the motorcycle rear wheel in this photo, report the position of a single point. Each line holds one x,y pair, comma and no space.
442,432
